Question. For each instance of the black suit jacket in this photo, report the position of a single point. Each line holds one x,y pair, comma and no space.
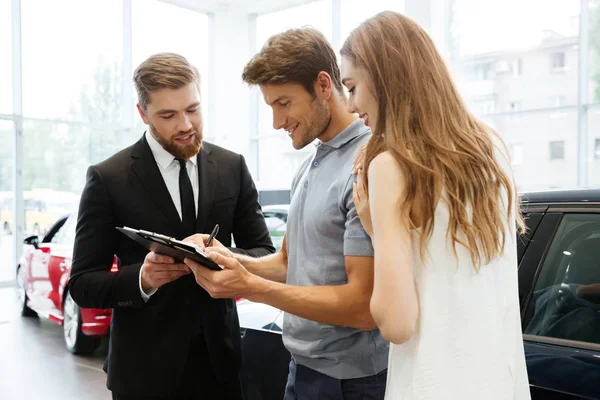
150,340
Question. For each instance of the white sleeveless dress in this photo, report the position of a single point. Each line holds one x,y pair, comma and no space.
468,342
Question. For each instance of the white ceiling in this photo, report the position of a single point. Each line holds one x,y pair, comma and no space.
248,6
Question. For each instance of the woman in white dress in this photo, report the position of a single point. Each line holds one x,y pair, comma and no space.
436,194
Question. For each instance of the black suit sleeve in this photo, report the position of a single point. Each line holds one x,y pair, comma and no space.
92,284
249,228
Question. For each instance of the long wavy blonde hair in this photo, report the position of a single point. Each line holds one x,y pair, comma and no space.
438,143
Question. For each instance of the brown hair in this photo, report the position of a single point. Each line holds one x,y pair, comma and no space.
163,70
294,56
424,124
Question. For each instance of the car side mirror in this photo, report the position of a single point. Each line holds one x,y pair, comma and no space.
33,240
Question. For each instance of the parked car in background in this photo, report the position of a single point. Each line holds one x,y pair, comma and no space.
42,276
559,294
43,273
276,219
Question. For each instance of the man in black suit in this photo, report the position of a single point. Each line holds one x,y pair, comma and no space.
169,338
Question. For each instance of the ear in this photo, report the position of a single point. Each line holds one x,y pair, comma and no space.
142,114
323,85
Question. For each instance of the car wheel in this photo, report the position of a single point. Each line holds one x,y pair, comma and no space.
75,340
22,295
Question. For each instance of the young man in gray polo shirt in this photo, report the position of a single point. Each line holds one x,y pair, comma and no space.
326,260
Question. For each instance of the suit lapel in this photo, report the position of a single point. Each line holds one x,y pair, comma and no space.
145,168
207,184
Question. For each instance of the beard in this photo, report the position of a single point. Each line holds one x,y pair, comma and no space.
319,122
182,151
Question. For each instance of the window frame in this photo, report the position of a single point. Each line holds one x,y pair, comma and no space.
550,155
49,236
558,55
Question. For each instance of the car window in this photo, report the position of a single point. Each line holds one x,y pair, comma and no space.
57,237
68,237
565,303
66,233
54,230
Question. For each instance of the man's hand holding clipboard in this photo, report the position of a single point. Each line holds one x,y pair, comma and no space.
159,270
164,263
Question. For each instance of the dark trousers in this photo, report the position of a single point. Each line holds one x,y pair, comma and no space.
307,384
198,381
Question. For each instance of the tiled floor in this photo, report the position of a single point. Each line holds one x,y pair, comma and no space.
34,363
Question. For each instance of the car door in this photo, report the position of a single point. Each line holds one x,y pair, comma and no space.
39,277
59,265
266,360
559,285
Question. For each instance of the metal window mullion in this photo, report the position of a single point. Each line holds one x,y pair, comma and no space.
127,101
582,107
336,24
17,93
253,107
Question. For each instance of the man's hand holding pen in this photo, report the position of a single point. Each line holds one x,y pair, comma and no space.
233,281
201,239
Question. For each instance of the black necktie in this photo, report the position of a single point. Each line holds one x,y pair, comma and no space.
186,194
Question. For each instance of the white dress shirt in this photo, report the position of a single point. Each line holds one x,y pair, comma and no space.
169,169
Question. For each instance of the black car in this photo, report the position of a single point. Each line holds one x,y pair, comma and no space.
559,293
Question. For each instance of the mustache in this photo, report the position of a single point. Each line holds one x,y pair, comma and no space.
184,134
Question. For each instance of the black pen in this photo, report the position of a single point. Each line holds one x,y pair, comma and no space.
212,235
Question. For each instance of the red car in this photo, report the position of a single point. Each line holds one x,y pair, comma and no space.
42,276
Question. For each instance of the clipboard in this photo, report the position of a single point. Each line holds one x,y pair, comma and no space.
169,246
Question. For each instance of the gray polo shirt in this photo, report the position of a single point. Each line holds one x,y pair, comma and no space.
322,228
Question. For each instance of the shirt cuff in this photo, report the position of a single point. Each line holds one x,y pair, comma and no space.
145,296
